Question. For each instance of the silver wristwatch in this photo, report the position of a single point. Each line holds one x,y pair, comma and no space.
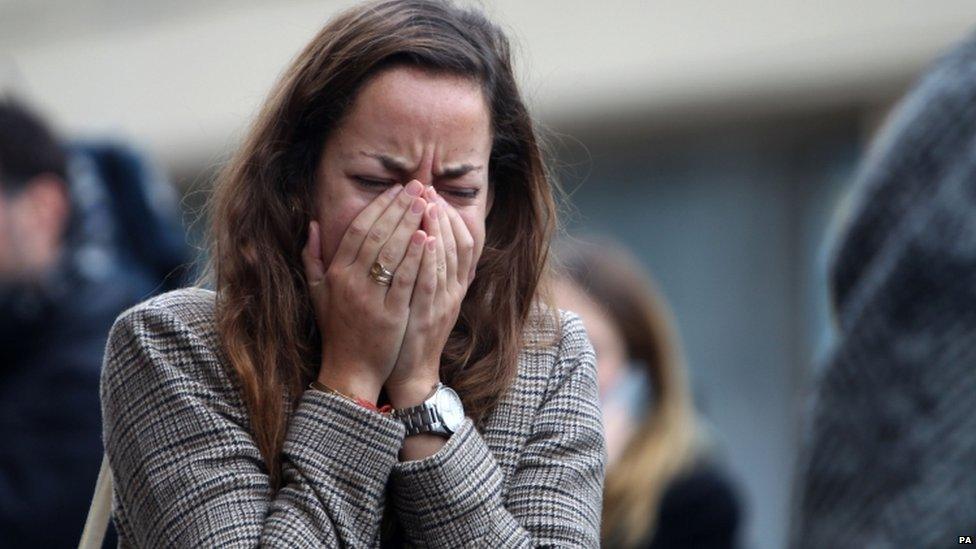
442,413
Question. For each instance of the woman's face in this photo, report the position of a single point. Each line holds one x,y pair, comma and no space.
406,124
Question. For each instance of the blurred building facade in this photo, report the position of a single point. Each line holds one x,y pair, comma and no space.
715,138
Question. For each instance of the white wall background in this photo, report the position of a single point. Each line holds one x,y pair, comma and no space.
185,76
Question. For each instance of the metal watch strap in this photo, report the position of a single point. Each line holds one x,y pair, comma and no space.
421,419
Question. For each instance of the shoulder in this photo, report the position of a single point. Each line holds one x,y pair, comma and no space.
555,330
166,340
574,372
192,305
573,338
553,398
558,350
163,378
186,312
569,339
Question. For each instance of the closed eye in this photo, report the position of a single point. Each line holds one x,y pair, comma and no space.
374,183
465,193
371,183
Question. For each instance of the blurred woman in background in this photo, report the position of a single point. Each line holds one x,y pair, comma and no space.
660,490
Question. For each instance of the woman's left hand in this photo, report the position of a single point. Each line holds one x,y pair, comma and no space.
440,288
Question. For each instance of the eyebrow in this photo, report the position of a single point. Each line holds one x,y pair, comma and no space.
399,165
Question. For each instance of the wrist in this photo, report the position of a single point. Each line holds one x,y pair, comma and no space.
354,386
420,446
410,393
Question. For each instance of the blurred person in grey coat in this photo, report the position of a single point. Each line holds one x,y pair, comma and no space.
890,457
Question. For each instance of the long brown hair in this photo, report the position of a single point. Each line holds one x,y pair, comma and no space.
262,205
665,442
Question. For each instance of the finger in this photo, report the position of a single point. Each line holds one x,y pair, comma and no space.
392,251
353,238
472,269
425,288
464,243
398,296
407,205
449,257
432,220
312,256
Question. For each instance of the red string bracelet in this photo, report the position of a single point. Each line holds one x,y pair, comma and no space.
384,409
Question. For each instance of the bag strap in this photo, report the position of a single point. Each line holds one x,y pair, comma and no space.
100,511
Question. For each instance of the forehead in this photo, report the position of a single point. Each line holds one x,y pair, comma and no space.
406,106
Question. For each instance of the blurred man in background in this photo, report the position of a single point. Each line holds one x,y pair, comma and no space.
84,234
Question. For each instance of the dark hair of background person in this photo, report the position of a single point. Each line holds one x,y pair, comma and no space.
27,147
149,236
664,444
263,200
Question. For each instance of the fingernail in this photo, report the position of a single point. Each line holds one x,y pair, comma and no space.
418,205
433,209
415,188
431,243
419,237
431,192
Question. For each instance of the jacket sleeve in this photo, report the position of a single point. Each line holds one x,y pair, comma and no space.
186,469
456,497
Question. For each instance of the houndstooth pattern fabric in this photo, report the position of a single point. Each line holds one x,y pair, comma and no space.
188,473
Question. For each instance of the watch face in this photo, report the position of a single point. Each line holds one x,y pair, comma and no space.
450,408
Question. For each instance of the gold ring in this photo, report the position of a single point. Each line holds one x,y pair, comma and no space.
380,274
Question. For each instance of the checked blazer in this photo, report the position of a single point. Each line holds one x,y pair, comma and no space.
187,472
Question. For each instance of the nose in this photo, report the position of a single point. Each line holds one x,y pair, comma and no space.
424,171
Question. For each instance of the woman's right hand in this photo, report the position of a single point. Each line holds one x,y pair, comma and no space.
360,321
